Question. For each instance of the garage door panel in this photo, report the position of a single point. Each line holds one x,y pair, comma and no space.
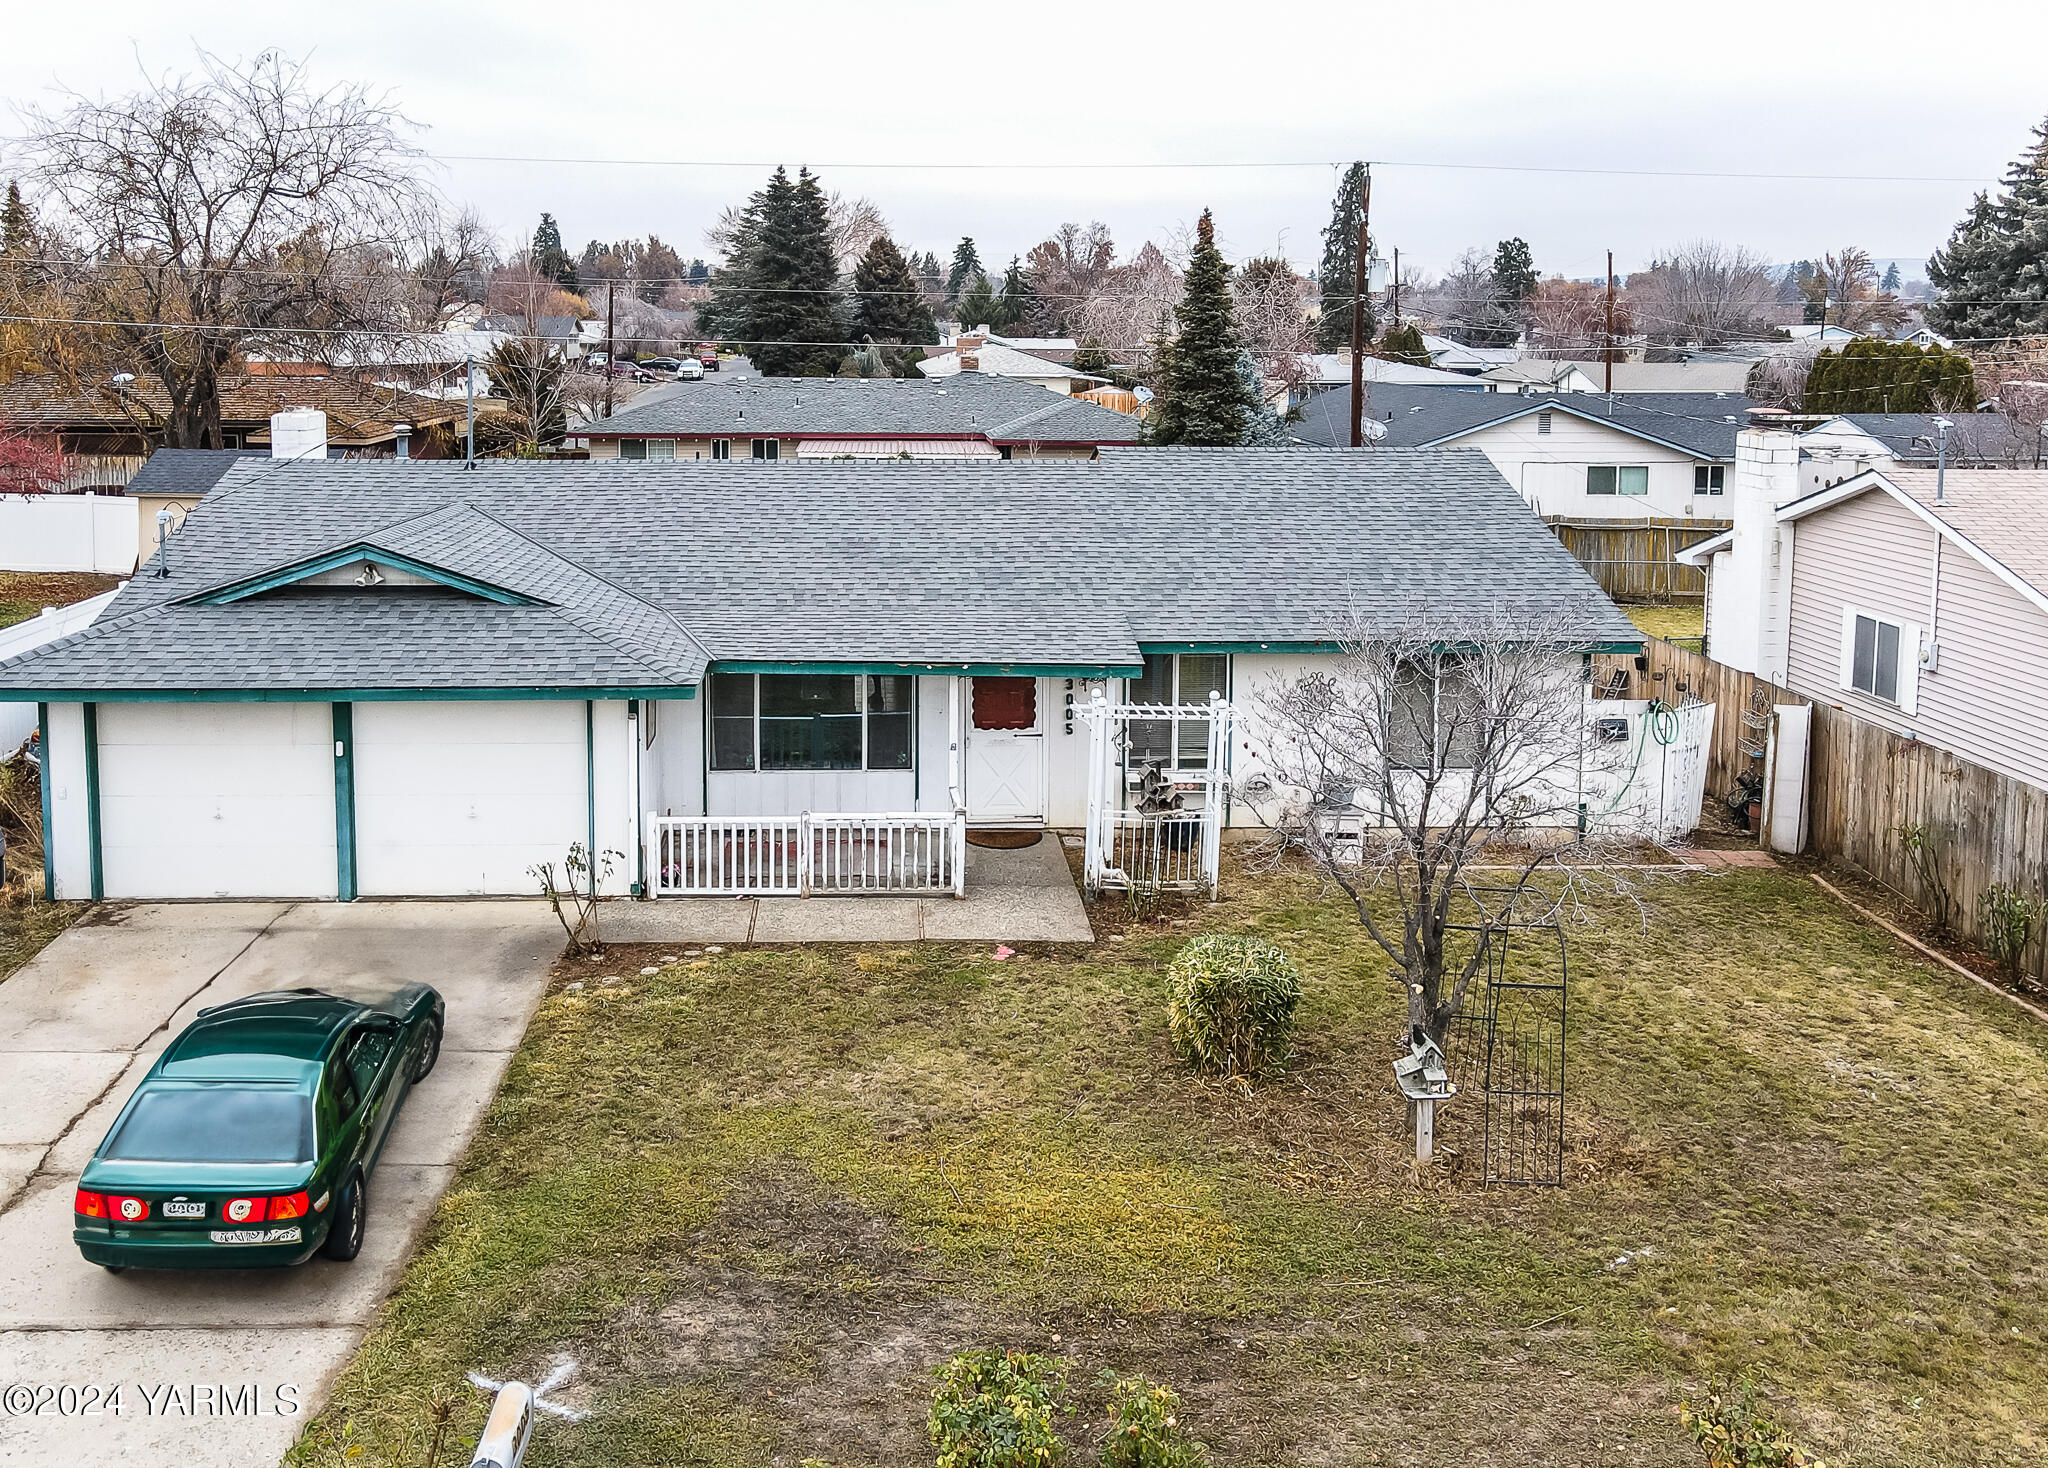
463,798
217,800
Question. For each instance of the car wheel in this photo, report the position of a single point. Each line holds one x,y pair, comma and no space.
430,1052
345,1237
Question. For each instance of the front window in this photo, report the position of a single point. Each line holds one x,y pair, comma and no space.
206,1122
1618,479
632,448
1874,664
721,448
661,448
1181,742
1708,478
1434,714
812,721
767,448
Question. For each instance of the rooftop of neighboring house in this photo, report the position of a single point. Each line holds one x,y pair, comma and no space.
1671,377
358,414
993,359
186,471
965,405
1455,356
1973,438
624,575
1701,424
547,328
1329,368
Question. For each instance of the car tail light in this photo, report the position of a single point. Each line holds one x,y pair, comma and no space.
291,1205
126,1210
90,1205
245,1210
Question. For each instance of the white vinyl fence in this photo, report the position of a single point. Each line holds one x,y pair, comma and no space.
68,532
1647,767
807,855
18,720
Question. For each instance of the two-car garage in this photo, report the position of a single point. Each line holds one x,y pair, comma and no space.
374,798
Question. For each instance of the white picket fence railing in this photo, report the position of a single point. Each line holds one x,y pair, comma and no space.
1155,853
807,855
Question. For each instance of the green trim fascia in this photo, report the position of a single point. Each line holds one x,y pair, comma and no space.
250,586
338,695
43,780
942,670
590,786
344,802
1328,647
92,800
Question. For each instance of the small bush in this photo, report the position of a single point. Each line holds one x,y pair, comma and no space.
1144,1427
1232,1005
994,1409
1738,1431
2010,921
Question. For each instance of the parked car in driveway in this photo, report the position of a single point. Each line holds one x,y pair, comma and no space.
689,370
252,1139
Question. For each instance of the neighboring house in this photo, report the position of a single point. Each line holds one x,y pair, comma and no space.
1321,373
1924,337
1829,335
1629,377
410,679
1842,447
966,416
1913,599
129,417
1055,349
1450,356
571,337
974,353
1540,375
175,480
1572,456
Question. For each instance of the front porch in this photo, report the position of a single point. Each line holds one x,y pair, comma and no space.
1020,895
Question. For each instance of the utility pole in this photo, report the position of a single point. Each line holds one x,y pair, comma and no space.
469,433
1394,297
1608,355
1358,316
611,293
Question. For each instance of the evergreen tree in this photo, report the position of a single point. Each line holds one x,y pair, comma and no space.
888,306
1203,398
1869,376
966,266
977,303
1514,272
1338,272
1014,302
17,227
549,258
1263,428
1404,344
779,291
1091,357
1991,278
1890,284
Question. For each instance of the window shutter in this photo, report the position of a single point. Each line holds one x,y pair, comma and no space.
1845,678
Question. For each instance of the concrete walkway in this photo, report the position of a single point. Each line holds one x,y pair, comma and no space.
1021,896
78,1027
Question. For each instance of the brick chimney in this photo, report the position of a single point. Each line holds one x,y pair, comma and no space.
969,346
1746,600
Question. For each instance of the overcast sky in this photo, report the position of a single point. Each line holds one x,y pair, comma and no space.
1903,91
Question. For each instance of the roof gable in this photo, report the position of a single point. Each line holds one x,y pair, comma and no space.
377,562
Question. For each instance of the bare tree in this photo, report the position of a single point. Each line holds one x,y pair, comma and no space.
1568,319
1064,270
1845,285
1704,292
1131,308
854,224
1436,773
1778,380
447,257
1272,314
217,210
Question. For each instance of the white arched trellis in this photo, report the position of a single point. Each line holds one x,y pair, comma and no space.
1136,851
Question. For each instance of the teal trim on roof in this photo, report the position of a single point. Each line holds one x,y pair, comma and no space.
43,780
1236,647
939,670
298,571
345,695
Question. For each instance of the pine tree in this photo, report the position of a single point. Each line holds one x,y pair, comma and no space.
1337,274
549,258
1263,428
17,228
1015,300
1203,398
888,305
1991,278
1091,357
1404,344
1514,271
976,304
794,311
1890,284
966,266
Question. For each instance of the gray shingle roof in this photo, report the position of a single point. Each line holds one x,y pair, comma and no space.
1703,424
185,471
970,404
651,568
1973,438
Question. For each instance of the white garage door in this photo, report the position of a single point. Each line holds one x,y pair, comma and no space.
456,799
217,799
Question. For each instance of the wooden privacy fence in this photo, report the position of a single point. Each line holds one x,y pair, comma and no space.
1632,559
1864,782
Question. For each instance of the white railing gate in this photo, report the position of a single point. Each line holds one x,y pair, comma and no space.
1144,852
807,855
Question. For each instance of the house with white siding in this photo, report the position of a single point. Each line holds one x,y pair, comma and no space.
1914,598
393,678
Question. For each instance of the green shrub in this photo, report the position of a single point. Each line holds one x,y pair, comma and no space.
2010,921
994,1409
1738,1431
1232,1004
1144,1427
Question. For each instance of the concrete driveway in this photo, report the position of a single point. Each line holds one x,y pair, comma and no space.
219,1367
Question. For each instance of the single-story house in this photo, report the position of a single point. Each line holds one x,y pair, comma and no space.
1692,377
1912,598
572,337
399,679
1454,356
1541,375
972,352
1573,456
128,418
971,415
1322,373
176,480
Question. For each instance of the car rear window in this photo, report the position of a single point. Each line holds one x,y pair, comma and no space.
216,1124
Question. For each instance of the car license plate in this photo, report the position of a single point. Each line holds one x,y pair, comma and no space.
179,1208
256,1235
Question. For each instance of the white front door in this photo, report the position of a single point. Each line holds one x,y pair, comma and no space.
1005,751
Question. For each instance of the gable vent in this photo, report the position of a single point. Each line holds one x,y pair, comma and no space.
1543,422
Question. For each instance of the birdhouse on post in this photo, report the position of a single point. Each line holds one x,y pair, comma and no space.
1424,1079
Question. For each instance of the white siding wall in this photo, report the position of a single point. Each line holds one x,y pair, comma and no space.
1988,699
1550,469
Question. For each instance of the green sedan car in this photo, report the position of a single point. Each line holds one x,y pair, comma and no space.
251,1140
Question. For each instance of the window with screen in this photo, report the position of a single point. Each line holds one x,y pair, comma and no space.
1874,665
1708,478
767,448
1623,479
632,448
812,721
661,448
1180,679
